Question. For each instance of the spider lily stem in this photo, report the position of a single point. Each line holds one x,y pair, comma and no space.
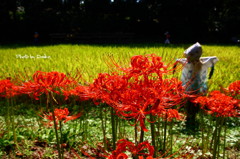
224,142
13,123
117,124
203,138
7,118
61,139
153,133
165,134
56,133
103,123
171,135
135,133
141,136
55,126
216,146
113,129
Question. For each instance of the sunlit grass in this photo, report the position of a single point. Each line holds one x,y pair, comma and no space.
89,60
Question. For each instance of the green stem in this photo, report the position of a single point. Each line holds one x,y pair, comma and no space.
13,123
224,142
116,126
219,135
124,129
113,129
56,133
203,139
85,127
50,100
61,139
171,136
141,136
214,135
7,118
135,133
217,138
165,135
120,125
103,128
160,124
153,132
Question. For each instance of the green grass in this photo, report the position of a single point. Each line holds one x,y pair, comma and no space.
92,59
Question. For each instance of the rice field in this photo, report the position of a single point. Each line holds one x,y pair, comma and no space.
89,60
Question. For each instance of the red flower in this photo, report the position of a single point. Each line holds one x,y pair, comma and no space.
8,89
82,92
46,82
234,88
155,97
170,114
107,88
125,145
219,104
61,115
140,90
145,65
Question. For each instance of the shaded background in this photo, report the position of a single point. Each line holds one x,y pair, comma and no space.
76,21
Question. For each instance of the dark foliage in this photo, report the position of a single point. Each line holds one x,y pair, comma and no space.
87,20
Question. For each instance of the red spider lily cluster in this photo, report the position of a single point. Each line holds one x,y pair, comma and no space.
219,104
7,89
42,83
124,145
82,92
145,65
233,89
46,82
140,90
61,115
134,92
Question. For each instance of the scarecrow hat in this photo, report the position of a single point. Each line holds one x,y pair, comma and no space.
194,51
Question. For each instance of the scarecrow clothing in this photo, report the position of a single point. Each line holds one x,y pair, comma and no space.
196,83
194,79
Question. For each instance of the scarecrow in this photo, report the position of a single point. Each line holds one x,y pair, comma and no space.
194,78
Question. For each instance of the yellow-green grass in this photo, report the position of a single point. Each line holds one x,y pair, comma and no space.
89,60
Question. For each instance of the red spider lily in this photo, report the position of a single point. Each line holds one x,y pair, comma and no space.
61,115
124,145
140,90
82,92
234,88
107,87
219,104
156,97
8,89
46,82
145,65
171,114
